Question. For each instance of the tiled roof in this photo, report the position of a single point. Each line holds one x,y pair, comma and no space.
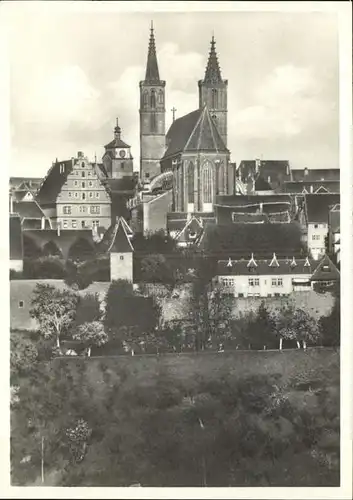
16,240
28,210
275,169
195,131
316,174
53,182
33,182
240,267
116,143
119,239
317,206
299,186
243,239
253,199
326,271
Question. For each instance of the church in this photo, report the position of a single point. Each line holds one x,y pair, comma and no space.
192,158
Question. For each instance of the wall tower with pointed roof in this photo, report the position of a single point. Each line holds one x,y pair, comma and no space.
213,92
152,116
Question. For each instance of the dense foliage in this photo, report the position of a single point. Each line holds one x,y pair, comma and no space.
120,425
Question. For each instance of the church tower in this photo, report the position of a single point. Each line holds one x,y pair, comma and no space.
213,92
152,116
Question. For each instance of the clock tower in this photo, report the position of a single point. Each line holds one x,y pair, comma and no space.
152,116
117,159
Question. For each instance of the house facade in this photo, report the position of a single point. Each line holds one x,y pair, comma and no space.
266,277
83,201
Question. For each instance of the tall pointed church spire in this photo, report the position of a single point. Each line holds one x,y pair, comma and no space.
152,73
213,72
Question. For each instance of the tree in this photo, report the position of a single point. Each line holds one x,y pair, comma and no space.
330,325
88,309
23,354
155,268
81,250
260,328
54,310
127,315
91,334
296,324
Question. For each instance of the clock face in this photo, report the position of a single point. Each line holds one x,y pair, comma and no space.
122,153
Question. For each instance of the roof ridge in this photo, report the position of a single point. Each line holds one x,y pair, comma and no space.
192,133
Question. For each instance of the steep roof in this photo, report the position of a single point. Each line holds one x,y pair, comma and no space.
16,240
120,241
243,239
152,72
317,206
28,210
316,174
326,271
54,181
32,182
213,72
195,131
241,267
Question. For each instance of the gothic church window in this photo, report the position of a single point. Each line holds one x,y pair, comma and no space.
214,99
191,170
145,98
160,97
207,183
153,99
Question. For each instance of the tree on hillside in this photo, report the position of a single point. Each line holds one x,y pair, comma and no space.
23,354
91,334
88,309
128,315
330,325
296,324
261,328
54,310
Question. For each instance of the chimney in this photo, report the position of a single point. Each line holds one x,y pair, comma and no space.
72,160
311,189
306,171
58,229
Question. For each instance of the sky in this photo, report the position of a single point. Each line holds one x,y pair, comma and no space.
73,72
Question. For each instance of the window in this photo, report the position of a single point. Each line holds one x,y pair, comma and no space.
122,164
326,268
95,209
228,282
214,99
315,237
74,224
207,183
90,195
70,194
147,175
83,185
65,224
316,226
121,257
21,304
83,174
83,164
67,210
75,183
191,182
153,122
83,224
97,194
160,97
83,209
145,97
277,282
83,196
153,99
90,184
95,223
76,195
254,282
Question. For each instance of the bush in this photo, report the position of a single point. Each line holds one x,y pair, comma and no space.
50,267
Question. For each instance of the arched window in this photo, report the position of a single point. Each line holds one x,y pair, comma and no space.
207,182
214,99
145,98
191,171
160,97
153,99
219,177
